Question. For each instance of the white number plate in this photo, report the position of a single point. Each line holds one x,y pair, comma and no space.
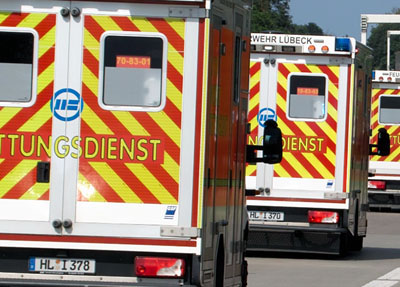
60,265
266,215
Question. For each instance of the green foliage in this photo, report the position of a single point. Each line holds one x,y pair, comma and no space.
273,15
378,42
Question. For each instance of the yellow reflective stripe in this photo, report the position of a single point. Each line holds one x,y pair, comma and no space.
36,191
305,128
143,24
151,183
7,114
178,25
130,123
37,120
312,159
47,42
175,58
174,95
107,23
168,126
92,44
88,115
15,175
250,169
327,129
90,80
116,183
88,190
171,167
253,123
94,122
292,68
32,20
4,16
45,78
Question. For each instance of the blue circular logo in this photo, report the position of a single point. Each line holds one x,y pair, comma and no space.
265,114
66,105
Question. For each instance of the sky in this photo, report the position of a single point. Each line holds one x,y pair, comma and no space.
339,17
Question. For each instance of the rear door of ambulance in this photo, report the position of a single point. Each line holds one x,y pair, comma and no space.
106,122
307,96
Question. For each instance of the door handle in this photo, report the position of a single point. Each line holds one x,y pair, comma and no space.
56,223
67,223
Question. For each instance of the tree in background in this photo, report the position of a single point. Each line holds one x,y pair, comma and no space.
273,15
377,41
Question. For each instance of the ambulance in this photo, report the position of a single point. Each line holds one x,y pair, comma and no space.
123,142
384,180
318,89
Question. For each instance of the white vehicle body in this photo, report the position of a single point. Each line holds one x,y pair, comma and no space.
315,200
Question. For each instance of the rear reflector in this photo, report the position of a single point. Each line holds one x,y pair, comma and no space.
377,184
159,267
315,216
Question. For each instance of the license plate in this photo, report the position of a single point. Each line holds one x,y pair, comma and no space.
266,215
61,265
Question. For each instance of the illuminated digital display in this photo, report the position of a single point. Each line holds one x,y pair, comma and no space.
141,62
307,91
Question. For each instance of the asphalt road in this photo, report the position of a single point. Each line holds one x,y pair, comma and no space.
375,266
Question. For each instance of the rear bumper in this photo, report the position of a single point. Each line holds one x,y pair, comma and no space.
295,239
384,199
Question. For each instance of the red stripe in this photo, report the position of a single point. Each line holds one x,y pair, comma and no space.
331,75
199,99
134,183
45,196
254,90
46,60
24,115
14,19
99,183
104,240
6,166
22,186
90,62
255,68
346,150
154,129
46,25
108,118
175,77
93,27
376,96
287,167
165,179
173,37
283,70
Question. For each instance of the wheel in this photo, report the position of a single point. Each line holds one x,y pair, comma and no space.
355,243
245,272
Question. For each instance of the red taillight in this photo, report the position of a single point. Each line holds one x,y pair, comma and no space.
377,184
315,216
159,267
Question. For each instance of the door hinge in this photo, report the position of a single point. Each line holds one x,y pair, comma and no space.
179,231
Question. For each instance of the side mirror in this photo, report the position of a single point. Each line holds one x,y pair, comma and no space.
383,146
272,145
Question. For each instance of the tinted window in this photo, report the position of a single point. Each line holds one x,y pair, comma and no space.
16,66
132,71
389,110
307,96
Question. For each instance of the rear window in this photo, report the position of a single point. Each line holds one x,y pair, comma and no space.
18,66
307,96
133,71
389,109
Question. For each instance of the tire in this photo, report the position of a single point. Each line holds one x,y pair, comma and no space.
245,272
355,243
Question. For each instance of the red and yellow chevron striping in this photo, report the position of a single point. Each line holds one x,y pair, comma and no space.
393,130
309,147
254,106
25,132
153,177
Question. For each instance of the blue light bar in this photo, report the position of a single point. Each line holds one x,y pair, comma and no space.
343,44
373,75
